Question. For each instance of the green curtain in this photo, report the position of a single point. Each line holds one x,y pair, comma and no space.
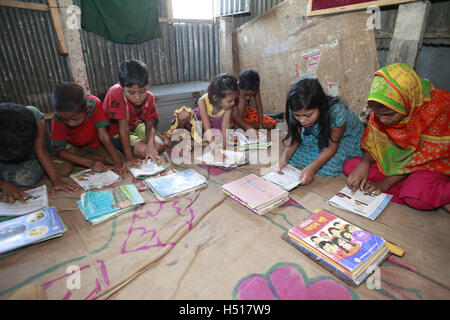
123,21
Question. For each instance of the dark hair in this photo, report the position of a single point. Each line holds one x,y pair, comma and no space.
336,242
17,126
249,80
69,97
220,87
308,93
133,72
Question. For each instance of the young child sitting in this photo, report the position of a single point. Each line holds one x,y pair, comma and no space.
132,111
213,110
244,116
322,131
81,122
406,142
24,152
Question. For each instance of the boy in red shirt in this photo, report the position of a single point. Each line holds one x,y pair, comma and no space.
81,122
131,110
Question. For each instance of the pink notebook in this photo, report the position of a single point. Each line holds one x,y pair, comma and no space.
254,190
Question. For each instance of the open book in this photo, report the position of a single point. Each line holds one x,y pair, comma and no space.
368,205
245,143
148,169
102,205
89,179
231,159
30,228
37,201
287,180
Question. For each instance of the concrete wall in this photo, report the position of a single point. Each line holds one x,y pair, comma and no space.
283,45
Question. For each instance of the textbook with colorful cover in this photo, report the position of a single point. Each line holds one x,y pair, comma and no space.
89,179
30,229
287,180
255,193
148,169
365,204
231,159
98,206
341,247
38,200
175,184
246,143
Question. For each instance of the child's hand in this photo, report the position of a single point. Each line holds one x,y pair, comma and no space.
130,163
10,193
218,155
307,176
60,185
152,154
120,170
98,166
280,165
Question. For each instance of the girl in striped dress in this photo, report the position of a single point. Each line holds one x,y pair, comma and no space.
322,132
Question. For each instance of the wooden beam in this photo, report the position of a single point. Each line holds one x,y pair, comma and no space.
56,19
24,5
408,34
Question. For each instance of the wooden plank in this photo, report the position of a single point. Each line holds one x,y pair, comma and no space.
54,13
408,33
24,5
353,7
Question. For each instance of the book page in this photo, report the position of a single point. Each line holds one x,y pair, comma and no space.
147,169
38,200
360,202
232,158
288,179
89,179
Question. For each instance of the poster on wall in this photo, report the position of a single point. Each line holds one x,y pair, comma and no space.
322,7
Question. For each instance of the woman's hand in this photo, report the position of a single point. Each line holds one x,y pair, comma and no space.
358,178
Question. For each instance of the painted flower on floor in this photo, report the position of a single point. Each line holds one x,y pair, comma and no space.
288,281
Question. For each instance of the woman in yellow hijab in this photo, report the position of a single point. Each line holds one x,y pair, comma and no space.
406,141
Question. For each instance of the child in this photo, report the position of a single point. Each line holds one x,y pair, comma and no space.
24,152
406,142
132,111
322,131
214,112
244,116
81,122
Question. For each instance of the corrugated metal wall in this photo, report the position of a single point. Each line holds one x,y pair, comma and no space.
257,8
31,65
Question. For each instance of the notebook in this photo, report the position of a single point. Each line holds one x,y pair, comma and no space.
148,169
232,159
175,184
245,143
256,193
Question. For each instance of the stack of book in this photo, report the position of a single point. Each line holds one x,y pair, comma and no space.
90,179
366,204
30,229
175,184
103,205
344,249
256,193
